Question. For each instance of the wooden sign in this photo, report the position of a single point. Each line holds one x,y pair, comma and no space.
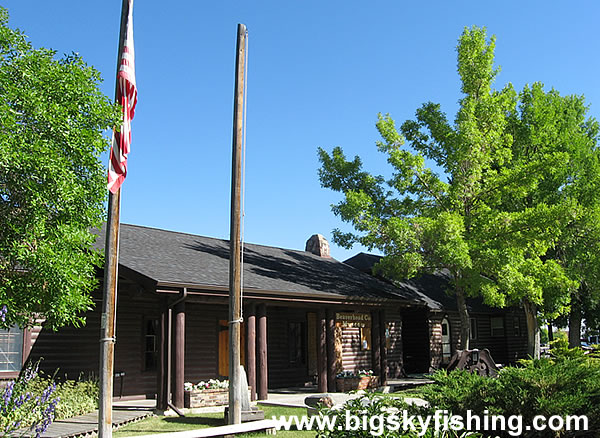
353,319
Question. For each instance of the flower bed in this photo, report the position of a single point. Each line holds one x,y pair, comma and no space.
211,393
351,381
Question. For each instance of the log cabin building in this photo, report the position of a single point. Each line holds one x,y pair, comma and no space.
502,331
307,317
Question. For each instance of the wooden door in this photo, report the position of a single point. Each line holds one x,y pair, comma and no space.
224,347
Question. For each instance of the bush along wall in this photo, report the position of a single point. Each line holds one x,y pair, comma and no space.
567,384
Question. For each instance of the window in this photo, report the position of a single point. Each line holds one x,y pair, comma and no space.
446,341
11,349
365,338
150,344
497,323
473,329
297,347
517,326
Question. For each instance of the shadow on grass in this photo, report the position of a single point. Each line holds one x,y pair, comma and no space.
200,421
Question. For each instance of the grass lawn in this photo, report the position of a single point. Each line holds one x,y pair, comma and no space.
416,392
199,421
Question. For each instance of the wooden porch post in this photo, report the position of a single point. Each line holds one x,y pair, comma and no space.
383,349
179,367
322,351
375,344
161,371
251,349
263,384
331,356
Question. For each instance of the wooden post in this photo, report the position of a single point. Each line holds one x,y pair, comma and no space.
251,349
235,241
111,277
383,348
179,355
322,351
375,344
331,355
263,377
161,372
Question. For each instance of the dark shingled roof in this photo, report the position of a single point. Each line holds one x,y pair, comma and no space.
432,288
169,257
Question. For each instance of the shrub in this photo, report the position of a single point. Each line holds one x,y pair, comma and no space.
21,406
33,401
458,391
77,397
569,384
378,409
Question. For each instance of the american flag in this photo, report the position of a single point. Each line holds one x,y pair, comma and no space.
127,97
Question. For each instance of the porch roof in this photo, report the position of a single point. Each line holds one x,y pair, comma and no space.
174,258
434,289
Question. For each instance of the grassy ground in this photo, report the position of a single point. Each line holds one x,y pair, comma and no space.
159,424
416,392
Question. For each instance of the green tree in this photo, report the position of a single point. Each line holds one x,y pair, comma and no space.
484,219
553,128
52,185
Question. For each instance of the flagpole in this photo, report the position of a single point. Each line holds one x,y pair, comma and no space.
109,299
235,257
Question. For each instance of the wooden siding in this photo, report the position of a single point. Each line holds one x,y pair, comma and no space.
354,358
74,352
282,373
395,363
201,341
505,349
516,342
435,342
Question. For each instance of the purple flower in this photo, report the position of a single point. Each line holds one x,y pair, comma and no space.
47,393
30,372
3,312
8,391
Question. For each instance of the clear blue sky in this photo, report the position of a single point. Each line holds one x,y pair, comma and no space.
319,72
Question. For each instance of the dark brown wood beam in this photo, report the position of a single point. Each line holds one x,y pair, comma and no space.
263,379
322,350
161,369
251,349
375,344
383,349
179,355
331,355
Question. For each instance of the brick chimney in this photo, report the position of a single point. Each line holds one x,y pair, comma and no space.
318,245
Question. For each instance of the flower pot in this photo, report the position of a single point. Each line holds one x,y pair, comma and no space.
355,383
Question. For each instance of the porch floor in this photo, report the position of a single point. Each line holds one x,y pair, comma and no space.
87,425
132,410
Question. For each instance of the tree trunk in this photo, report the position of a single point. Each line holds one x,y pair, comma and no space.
575,323
550,333
533,330
464,318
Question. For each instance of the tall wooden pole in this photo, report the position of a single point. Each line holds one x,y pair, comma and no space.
235,257
111,276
